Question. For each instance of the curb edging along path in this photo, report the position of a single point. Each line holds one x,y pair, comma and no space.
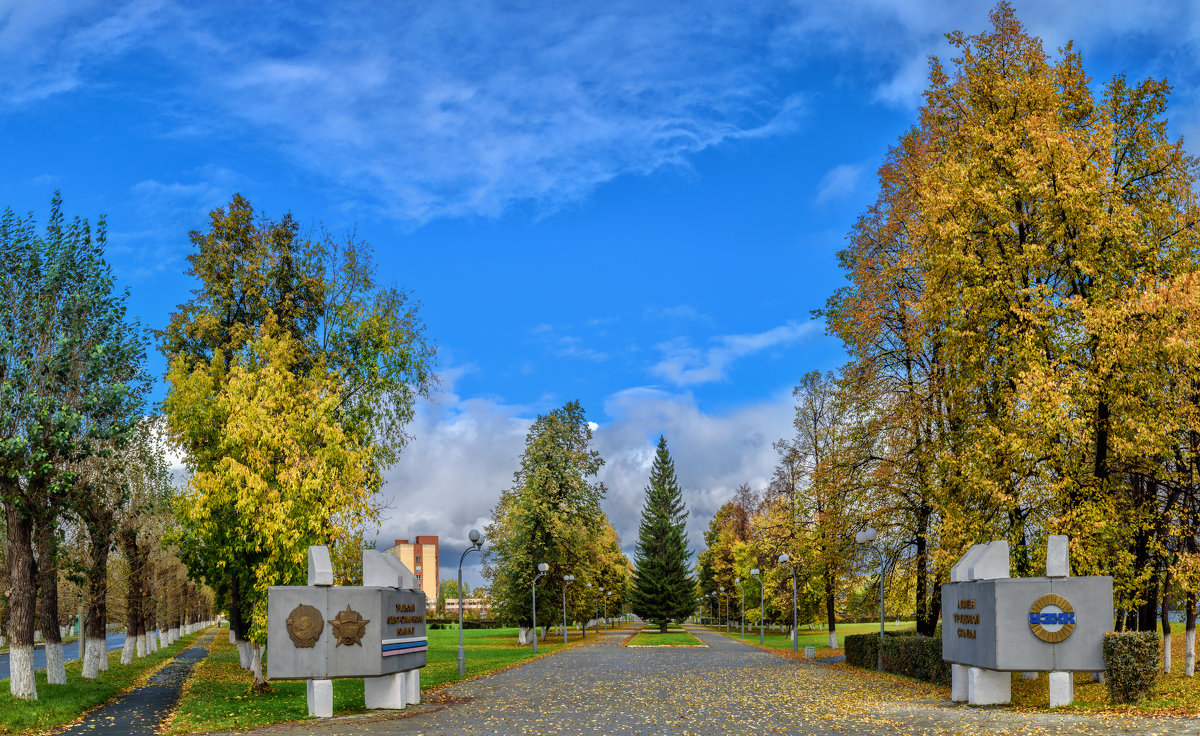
140,711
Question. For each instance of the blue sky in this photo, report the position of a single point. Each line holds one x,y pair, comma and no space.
633,204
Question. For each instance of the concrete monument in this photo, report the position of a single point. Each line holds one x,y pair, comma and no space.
993,624
377,631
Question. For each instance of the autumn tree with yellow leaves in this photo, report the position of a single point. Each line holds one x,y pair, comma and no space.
292,375
289,474
1017,316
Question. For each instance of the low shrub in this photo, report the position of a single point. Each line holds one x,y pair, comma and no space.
904,653
452,623
1130,665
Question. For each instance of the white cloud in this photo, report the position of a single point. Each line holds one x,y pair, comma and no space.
685,365
839,182
465,452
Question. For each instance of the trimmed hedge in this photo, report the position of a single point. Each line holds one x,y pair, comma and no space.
904,653
1130,665
452,623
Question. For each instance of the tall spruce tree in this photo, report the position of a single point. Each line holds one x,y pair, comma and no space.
663,589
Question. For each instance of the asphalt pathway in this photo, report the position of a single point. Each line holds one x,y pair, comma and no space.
139,712
70,652
729,688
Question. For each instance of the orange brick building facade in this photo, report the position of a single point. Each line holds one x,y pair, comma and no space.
421,556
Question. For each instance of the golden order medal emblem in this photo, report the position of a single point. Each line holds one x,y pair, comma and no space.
349,627
1039,620
304,625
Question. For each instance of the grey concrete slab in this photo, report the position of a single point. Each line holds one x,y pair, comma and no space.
727,688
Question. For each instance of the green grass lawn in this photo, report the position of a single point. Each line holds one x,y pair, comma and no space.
818,639
650,637
219,696
61,704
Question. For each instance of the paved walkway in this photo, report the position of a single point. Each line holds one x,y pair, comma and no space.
730,688
139,712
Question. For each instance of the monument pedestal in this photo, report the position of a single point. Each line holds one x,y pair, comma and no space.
386,692
988,687
1062,689
413,683
958,683
320,698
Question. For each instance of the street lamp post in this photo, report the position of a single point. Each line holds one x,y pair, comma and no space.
607,593
542,568
589,587
865,537
599,595
567,580
742,588
783,560
476,546
726,597
762,605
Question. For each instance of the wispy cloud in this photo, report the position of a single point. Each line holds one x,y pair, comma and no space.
52,46
839,182
683,364
428,110
173,208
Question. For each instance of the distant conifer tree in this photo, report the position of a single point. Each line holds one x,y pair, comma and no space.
663,589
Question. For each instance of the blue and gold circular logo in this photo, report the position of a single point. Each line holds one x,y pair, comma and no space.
1052,618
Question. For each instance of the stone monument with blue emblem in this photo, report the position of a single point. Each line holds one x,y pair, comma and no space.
993,625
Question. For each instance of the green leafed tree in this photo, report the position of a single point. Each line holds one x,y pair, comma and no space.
551,514
72,383
663,589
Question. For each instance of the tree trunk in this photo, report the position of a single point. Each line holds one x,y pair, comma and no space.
133,596
237,624
1166,627
99,538
22,598
256,652
925,623
47,571
1189,643
525,635
1100,470
830,611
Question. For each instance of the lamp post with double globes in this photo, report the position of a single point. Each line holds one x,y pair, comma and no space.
742,588
865,537
476,546
607,593
542,568
783,560
762,605
567,580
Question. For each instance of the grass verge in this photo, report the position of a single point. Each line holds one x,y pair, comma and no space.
1175,695
58,705
650,637
219,698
